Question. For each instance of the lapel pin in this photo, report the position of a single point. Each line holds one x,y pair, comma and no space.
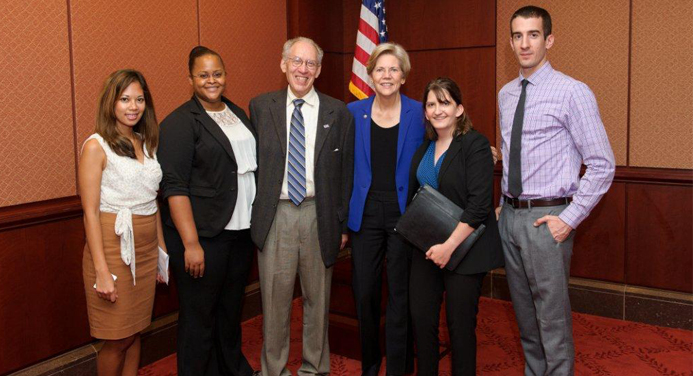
326,126
365,116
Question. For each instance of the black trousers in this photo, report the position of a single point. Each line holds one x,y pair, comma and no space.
209,321
427,284
371,245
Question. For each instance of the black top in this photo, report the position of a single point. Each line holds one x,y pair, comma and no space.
383,157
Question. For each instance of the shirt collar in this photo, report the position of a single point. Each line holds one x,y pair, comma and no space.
311,98
536,77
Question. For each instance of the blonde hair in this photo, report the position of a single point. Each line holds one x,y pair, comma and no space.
389,48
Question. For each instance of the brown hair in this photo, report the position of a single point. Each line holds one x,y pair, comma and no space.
440,86
147,127
532,11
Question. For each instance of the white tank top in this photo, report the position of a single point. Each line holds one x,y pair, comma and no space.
128,187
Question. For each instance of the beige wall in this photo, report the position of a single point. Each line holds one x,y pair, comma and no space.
661,106
36,125
611,45
55,59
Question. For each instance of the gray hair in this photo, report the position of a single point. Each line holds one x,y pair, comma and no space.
290,43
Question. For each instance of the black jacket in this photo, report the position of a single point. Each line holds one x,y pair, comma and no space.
466,178
198,161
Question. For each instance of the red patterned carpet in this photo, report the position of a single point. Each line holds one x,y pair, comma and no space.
603,347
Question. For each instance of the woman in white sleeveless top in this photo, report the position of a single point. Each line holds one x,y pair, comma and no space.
119,177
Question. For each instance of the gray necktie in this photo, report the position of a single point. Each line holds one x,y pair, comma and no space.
515,170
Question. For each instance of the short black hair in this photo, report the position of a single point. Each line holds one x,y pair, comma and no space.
200,51
532,11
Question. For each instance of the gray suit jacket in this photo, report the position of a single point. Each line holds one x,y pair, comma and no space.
333,173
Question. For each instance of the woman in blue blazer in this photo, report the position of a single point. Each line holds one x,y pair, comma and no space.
389,128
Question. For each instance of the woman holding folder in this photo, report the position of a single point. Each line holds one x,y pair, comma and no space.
457,161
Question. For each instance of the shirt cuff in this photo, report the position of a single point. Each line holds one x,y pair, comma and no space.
572,216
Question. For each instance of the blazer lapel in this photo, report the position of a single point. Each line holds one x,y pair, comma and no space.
404,125
278,110
455,147
325,123
214,129
365,123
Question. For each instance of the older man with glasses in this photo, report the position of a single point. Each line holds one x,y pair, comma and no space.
305,172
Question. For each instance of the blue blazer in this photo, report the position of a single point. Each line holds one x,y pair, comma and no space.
411,132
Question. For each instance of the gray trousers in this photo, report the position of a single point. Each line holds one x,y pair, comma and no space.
291,247
538,269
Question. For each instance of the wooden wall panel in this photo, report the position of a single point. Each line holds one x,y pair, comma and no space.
249,37
472,69
432,25
36,126
320,21
659,236
332,80
351,11
42,304
591,45
153,37
599,250
661,129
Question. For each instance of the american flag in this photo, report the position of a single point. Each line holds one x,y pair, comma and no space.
372,31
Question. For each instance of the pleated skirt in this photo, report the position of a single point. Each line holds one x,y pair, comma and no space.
132,311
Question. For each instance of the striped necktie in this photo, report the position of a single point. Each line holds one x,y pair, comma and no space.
296,167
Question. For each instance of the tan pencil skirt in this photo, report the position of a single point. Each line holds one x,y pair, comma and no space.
132,311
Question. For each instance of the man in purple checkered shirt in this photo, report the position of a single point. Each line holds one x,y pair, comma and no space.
550,126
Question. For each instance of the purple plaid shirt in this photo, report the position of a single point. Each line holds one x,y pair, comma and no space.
562,130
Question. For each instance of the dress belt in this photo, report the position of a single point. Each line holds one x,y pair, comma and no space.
525,204
123,228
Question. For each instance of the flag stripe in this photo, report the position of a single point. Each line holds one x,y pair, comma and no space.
368,31
369,17
371,32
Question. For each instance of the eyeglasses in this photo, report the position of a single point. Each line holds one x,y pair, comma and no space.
297,62
204,76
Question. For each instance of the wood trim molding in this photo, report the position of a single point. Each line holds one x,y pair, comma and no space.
70,207
625,174
668,176
24,215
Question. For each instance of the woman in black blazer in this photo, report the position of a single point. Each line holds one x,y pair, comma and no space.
207,151
457,161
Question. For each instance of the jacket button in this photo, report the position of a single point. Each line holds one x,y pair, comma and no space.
233,172
401,189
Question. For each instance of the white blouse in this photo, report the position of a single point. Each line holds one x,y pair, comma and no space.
243,144
128,187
